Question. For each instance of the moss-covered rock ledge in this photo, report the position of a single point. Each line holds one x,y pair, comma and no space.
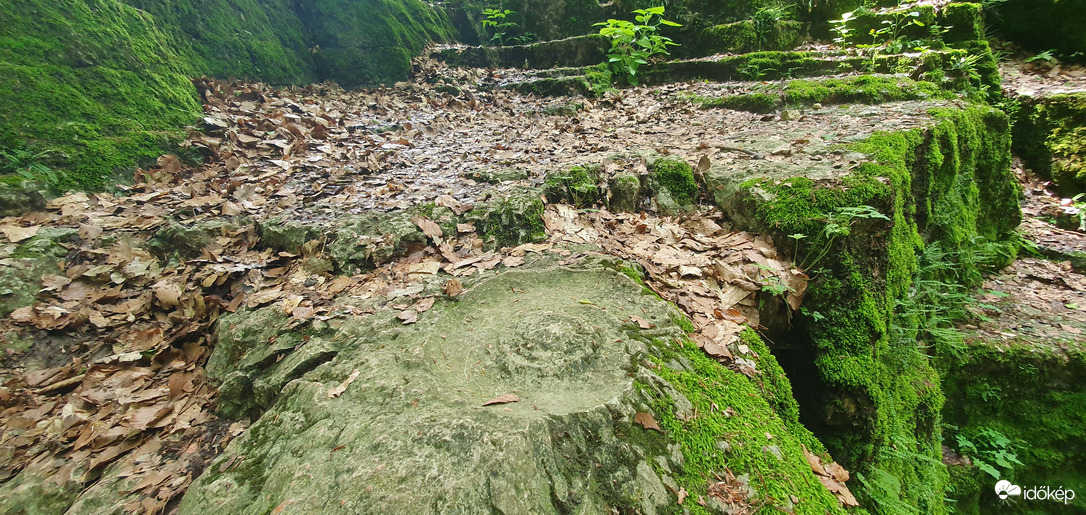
941,179
380,417
1016,404
1050,136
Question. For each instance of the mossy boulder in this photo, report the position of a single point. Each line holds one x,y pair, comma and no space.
946,180
578,185
190,240
1050,136
677,187
21,196
498,176
624,192
410,427
1022,396
510,218
360,242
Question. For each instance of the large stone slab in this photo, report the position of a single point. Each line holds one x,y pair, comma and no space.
391,418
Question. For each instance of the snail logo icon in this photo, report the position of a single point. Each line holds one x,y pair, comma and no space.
1005,489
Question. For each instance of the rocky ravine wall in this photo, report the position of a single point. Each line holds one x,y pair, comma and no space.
103,85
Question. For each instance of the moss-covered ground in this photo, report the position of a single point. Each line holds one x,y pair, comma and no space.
865,89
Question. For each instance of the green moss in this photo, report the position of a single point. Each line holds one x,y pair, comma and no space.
866,21
256,39
514,219
597,80
743,36
727,430
963,20
756,102
878,406
677,177
96,83
578,185
104,85
866,89
370,43
1050,136
1047,424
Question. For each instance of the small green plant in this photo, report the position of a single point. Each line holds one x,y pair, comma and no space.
816,316
524,39
632,44
991,451
989,393
889,36
1078,202
499,27
1048,57
753,71
841,28
926,315
773,286
966,66
28,164
765,19
884,489
837,224
892,29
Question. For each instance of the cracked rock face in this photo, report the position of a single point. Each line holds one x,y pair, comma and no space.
410,432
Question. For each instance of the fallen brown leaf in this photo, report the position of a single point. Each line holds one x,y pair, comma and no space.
336,391
647,421
641,322
408,316
453,287
424,304
15,234
430,228
504,399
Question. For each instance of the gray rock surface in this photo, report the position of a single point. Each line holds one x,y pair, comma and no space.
410,432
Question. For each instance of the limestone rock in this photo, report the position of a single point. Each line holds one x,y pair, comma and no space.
411,434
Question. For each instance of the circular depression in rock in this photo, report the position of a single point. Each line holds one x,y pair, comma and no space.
548,344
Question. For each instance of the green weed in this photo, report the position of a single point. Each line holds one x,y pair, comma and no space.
633,44
496,22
